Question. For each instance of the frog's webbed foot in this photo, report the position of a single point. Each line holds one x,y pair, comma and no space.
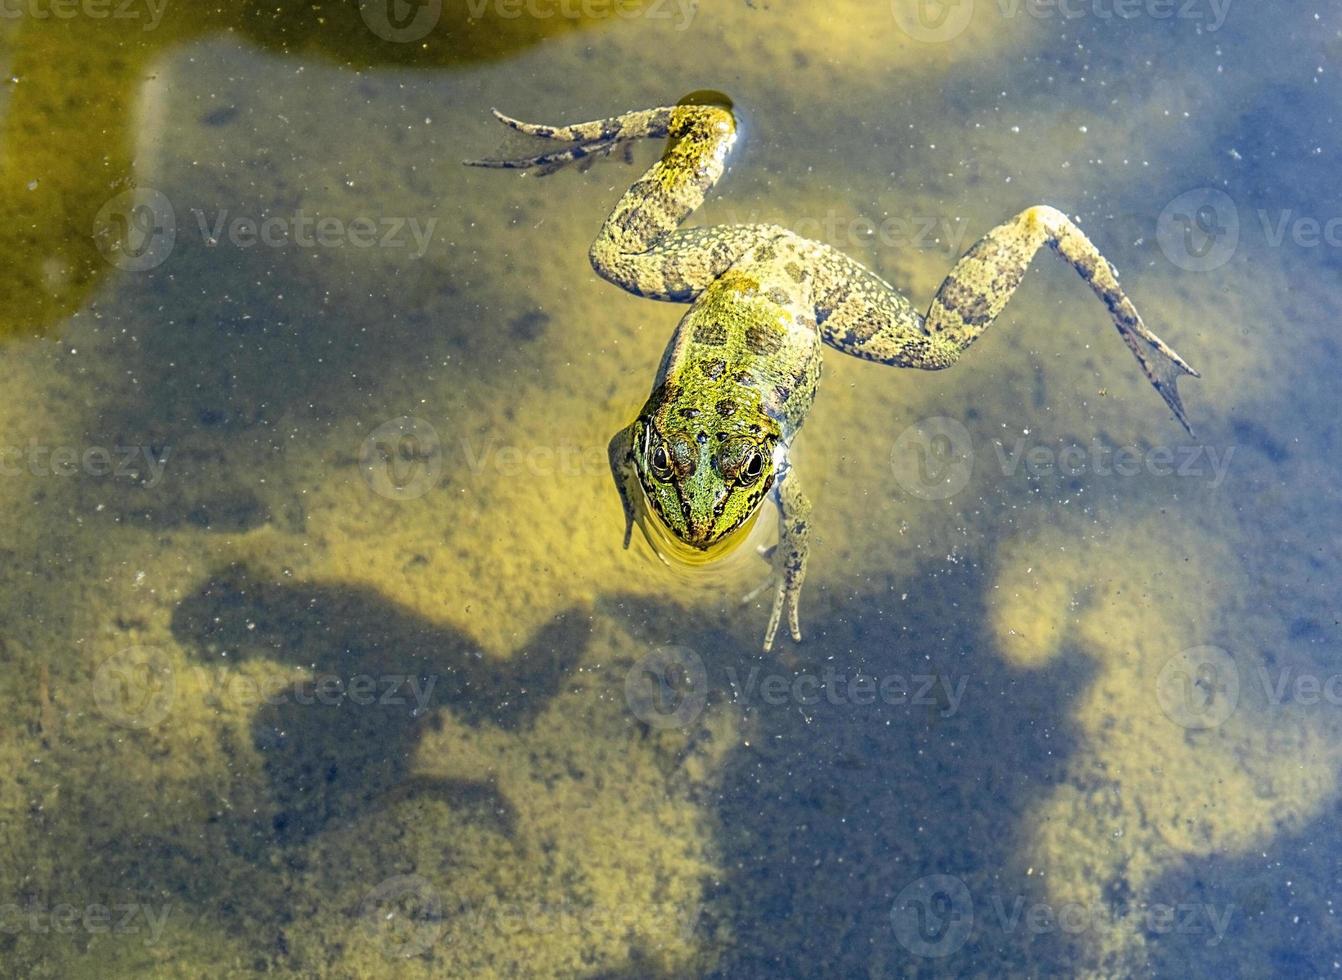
788,558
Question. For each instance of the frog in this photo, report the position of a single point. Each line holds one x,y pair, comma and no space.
713,440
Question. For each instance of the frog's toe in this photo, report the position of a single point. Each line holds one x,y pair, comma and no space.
531,129
754,593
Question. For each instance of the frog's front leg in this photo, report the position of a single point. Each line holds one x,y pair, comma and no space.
789,558
621,453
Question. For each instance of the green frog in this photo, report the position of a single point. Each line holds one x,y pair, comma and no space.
711,443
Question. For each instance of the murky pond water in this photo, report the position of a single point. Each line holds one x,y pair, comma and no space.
321,652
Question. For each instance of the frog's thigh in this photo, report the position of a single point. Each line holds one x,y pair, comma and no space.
683,263
861,314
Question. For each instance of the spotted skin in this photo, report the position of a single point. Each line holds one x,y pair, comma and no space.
737,380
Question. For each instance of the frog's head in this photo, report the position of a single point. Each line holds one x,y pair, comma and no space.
703,482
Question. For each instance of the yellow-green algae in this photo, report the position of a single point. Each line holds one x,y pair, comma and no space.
571,840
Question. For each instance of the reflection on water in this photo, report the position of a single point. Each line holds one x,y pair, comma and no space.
323,656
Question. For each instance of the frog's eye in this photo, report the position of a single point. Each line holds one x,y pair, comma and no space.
661,464
752,469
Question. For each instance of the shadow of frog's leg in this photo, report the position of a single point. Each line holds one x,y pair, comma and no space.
789,558
639,247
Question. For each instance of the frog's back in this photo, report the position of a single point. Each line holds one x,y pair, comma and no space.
748,346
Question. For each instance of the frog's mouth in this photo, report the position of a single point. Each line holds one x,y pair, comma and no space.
671,548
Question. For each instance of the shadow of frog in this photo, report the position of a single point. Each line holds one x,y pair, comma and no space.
68,128
339,742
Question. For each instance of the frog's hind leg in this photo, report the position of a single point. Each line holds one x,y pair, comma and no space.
867,318
983,280
640,247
